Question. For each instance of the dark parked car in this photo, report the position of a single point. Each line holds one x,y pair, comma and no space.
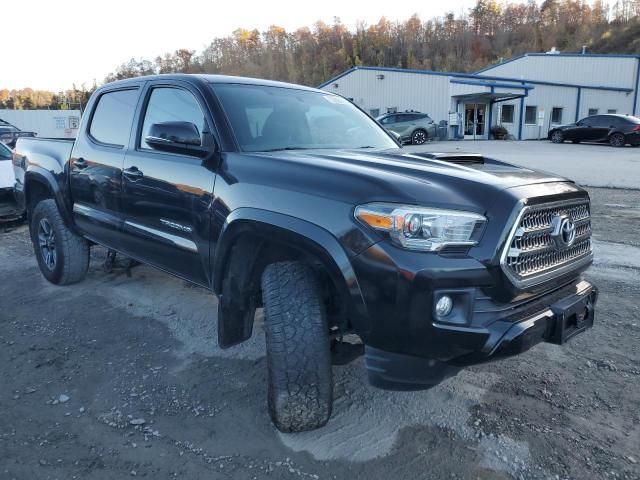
9,133
245,187
618,130
411,127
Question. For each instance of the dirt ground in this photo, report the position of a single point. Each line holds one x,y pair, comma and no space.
121,377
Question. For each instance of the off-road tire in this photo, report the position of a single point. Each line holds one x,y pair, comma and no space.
72,251
300,385
617,140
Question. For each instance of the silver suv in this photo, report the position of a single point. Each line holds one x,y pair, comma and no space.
411,127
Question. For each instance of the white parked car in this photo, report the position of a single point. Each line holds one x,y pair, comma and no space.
9,209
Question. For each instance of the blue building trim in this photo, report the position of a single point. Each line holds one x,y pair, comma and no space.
346,72
636,108
578,104
578,54
521,120
512,59
474,76
493,85
493,89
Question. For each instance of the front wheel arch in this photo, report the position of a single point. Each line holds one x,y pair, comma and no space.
247,246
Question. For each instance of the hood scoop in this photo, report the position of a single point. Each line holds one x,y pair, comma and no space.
457,158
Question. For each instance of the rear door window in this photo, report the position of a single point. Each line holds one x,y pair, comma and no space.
112,117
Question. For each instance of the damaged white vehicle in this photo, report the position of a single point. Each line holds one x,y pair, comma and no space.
9,209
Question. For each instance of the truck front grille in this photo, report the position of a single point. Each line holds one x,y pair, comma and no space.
538,249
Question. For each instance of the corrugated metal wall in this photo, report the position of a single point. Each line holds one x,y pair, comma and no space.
403,91
377,91
585,70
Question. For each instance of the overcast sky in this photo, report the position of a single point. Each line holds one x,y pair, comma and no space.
50,44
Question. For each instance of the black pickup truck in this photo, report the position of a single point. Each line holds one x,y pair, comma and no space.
292,199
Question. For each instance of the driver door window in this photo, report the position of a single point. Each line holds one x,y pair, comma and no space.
171,105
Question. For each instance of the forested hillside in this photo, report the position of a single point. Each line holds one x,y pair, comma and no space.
487,33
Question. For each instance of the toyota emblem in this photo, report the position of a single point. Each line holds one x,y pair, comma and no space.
564,231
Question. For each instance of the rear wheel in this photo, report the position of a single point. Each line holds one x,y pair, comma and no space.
63,256
617,140
300,386
419,137
557,137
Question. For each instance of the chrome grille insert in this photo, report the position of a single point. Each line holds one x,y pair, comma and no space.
533,255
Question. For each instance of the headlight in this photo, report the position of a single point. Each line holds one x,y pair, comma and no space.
423,228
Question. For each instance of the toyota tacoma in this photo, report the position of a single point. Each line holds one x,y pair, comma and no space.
292,199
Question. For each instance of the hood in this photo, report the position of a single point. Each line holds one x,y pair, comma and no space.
361,176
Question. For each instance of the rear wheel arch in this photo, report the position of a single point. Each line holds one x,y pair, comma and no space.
617,139
41,186
248,245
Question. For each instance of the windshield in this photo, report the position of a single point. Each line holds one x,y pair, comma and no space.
5,153
276,118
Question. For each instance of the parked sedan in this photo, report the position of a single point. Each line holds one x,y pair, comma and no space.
618,130
412,127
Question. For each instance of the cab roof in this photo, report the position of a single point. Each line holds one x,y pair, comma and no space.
206,78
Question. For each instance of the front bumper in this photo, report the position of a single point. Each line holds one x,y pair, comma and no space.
571,312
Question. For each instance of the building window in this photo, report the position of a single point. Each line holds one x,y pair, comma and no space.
592,111
556,115
392,109
530,115
506,114
375,112
612,110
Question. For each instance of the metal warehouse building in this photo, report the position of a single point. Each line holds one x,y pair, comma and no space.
526,95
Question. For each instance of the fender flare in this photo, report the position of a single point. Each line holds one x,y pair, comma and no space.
47,180
296,232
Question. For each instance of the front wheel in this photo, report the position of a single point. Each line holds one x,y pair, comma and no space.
63,256
557,137
617,140
419,137
300,385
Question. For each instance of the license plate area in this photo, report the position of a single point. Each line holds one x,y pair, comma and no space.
573,315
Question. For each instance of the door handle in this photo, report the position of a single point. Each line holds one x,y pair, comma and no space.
133,172
80,163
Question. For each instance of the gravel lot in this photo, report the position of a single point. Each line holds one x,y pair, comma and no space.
121,376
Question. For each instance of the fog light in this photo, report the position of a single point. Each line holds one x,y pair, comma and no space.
444,306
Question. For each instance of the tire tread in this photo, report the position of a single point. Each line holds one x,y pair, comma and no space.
300,386
74,253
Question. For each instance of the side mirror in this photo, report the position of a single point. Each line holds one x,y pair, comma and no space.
176,137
